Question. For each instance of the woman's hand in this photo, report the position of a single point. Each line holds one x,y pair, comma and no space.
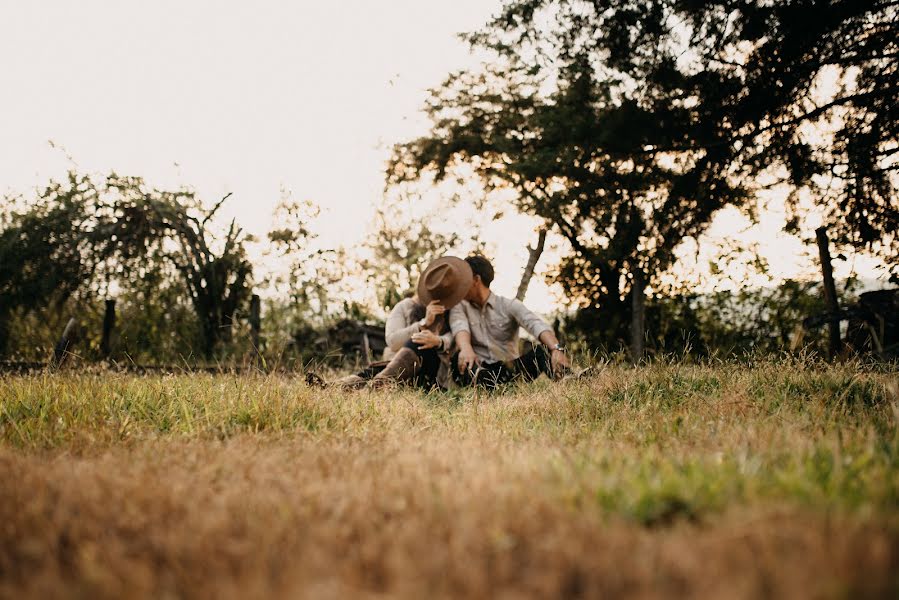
433,310
426,339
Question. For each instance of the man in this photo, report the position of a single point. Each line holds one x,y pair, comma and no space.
486,327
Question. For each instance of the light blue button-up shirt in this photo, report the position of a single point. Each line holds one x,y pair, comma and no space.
494,327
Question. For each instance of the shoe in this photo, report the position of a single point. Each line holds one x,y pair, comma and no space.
350,382
314,380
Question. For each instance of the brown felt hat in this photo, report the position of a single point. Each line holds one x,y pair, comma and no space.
447,279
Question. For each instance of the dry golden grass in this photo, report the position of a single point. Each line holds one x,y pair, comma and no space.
780,480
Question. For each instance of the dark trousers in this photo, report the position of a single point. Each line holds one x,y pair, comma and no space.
426,375
526,367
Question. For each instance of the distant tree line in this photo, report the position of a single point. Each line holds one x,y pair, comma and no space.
183,280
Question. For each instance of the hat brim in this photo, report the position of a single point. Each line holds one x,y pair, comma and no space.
465,279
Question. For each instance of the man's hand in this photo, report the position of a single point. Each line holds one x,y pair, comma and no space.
426,339
467,359
433,310
559,362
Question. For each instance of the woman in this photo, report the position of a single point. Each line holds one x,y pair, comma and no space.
409,317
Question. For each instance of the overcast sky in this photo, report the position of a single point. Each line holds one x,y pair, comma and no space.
241,97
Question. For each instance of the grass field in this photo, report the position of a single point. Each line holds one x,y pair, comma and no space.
776,479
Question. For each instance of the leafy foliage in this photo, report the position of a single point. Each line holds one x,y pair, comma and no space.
88,235
53,249
401,246
627,125
175,226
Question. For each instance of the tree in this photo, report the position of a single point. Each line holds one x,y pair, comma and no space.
52,249
85,235
176,227
574,157
805,87
660,113
312,278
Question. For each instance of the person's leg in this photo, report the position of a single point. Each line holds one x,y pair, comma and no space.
412,363
373,369
462,379
494,374
531,364
426,375
402,367
360,379
488,375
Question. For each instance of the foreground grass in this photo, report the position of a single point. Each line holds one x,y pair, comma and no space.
780,479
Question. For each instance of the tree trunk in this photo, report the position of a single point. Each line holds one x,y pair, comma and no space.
830,292
209,326
533,256
638,316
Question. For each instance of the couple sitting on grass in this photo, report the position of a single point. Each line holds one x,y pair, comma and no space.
456,332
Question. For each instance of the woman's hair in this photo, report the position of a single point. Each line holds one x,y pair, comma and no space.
418,311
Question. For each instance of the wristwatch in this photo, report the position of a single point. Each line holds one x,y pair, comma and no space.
559,347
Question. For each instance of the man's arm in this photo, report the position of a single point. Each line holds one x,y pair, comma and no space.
462,332
558,358
467,358
538,328
526,318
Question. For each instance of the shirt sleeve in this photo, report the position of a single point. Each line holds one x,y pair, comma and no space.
457,320
447,341
527,319
398,330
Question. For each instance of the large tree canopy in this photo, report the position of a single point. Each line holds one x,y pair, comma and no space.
811,85
627,124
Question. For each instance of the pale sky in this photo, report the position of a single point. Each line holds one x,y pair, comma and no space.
244,97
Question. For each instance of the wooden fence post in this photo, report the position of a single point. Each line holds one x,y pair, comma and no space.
61,351
638,316
255,321
830,292
108,326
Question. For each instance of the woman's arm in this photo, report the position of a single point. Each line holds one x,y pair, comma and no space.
398,330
